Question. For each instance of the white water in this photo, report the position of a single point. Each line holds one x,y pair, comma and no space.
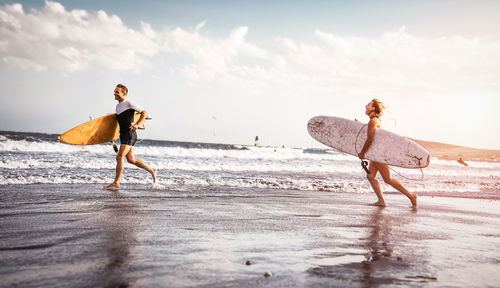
34,161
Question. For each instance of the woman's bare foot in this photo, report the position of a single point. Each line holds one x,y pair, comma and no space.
154,175
413,199
112,186
378,203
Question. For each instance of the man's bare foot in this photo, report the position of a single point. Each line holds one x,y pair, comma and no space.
413,199
378,203
112,186
154,175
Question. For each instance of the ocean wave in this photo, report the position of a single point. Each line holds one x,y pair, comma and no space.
28,160
228,164
254,159
186,181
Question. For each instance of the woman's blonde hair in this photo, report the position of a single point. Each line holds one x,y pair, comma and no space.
379,108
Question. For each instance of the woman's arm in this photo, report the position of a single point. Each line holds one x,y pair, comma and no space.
372,126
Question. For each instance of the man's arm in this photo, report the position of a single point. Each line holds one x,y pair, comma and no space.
142,119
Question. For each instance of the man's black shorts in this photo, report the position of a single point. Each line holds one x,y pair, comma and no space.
128,138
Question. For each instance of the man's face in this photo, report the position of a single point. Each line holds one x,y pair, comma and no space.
119,95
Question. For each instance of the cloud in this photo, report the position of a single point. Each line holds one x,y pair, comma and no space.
242,78
75,40
212,57
396,60
54,38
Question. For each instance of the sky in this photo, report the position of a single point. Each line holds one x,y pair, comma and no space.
227,71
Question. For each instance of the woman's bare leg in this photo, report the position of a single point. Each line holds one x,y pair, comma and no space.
386,175
372,178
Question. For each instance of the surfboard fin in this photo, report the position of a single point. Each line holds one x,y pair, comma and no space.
364,164
143,127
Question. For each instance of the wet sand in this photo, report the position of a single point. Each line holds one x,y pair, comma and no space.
83,236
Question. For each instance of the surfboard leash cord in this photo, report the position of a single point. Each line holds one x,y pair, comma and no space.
364,163
143,128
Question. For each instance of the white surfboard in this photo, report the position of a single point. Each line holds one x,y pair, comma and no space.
349,137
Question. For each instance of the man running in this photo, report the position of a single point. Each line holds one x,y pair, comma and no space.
125,110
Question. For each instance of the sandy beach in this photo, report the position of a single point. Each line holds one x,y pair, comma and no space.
454,152
78,235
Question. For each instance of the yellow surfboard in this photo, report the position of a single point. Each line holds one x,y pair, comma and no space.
100,130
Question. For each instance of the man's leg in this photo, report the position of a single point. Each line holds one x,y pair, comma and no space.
139,163
124,150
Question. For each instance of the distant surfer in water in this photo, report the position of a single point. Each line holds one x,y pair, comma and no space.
461,161
125,110
374,110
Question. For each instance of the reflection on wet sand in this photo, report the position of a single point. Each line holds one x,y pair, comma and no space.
381,266
120,230
379,246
